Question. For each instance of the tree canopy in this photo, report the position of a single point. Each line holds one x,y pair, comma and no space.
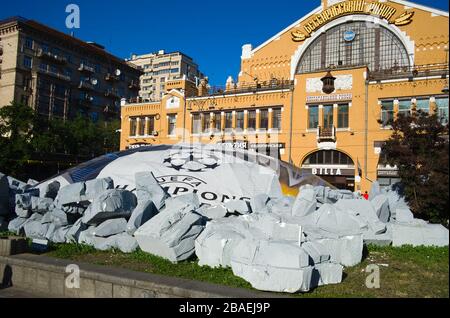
419,148
29,140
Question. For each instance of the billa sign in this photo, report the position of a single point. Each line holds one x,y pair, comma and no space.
381,10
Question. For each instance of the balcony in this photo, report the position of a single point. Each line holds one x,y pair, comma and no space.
111,78
426,70
86,69
134,86
110,110
253,88
86,86
112,93
56,75
326,134
55,58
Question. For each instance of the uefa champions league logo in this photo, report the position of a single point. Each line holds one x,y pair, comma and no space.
192,160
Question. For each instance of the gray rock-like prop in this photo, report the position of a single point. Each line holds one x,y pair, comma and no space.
318,252
123,242
331,222
403,213
384,239
4,195
97,186
111,227
16,225
110,204
71,194
259,203
364,211
52,189
238,206
347,251
73,233
213,212
59,235
36,230
375,190
171,234
281,206
41,205
419,233
272,266
23,205
381,205
327,274
144,211
305,203
216,243
148,188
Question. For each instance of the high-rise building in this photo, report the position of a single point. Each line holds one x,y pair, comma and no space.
59,75
161,67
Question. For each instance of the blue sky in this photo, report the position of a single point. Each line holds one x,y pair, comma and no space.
211,32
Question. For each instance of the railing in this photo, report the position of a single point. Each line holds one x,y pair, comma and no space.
111,78
50,56
112,93
86,85
253,88
85,68
326,134
134,85
426,70
54,74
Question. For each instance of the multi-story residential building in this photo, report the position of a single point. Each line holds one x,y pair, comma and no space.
59,75
161,67
321,94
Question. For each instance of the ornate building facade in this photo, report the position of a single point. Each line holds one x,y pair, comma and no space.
320,94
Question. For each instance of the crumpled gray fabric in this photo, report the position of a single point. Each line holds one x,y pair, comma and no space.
171,233
238,206
148,188
305,203
41,205
213,212
419,233
110,204
381,206
111,227
144,211
274,266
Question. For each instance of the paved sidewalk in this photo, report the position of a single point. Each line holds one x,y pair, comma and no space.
15,292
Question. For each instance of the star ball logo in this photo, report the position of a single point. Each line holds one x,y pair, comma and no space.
192,160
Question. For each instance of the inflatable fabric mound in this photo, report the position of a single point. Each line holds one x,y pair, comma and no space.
214,172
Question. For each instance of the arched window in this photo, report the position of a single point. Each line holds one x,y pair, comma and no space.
328,157
355,44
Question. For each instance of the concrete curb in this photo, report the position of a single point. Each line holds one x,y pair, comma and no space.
43,274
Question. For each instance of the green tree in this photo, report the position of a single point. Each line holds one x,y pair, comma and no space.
16,131
419,148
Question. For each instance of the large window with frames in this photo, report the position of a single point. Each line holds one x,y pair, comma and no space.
404,107
196,123
313,117
264,119
343,116
442,109
373,45
251,121
276,118
387,113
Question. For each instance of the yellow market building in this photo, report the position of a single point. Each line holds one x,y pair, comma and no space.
320,94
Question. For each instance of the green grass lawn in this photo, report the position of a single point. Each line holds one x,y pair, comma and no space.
421,272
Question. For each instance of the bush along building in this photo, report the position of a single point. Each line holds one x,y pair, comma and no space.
59,75
320,94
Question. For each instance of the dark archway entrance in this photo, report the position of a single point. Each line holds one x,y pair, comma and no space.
333,166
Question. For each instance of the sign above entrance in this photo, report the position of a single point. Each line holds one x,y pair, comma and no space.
329,98
378,9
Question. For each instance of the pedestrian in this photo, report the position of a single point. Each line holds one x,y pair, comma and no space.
366,196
